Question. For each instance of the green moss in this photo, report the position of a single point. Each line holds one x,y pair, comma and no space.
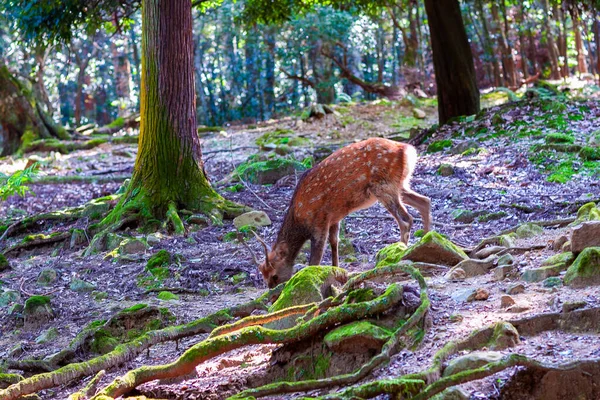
117,123
439,145
203,129
529,230
590,153
103,342
280,137
4,264
562,258
362,329
491,216
306,286
505,335
39,236
587,212
159,259
134,308
585,270
391,254
269,171
560,138
167,296
452,253
36,301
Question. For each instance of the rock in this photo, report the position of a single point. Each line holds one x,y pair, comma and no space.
154,239
562,259
587,212
463,146
418,113
464,216
573,305
37,312
472,360
529,230
96,209
505,335
585,270
453,393
390,254
482,294
506,259
559,242
516,288
503,271
435,249
445,170
81,286
47,277
310,284
269,171
488,251
132,246
78,238
456,274
507,301
9,296
539,274
464,296
553,281
252,218
518,308
99,296
584,236
47,336
566,247
472,267
4,264
357,337
507,240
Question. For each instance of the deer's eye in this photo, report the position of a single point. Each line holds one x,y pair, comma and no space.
275,278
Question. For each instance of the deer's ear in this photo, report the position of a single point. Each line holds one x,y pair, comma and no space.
282,250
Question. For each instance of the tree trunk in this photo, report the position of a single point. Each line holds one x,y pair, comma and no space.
488,45
581,62
452,60
561,23
269,96
597,40
168,172
20,114
522,42
501,31
549,36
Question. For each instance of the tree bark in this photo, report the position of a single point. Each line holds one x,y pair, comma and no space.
488,45
501,30
549,36
581,62
452,60
522,42
168,172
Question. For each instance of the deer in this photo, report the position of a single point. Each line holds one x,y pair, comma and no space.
350,179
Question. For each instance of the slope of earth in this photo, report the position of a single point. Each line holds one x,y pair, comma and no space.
513,163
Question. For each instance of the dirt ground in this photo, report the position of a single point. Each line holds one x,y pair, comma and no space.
491,181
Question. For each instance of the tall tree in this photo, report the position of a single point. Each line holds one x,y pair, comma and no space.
452,59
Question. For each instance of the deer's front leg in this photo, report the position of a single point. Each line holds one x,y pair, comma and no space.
334,230
317,247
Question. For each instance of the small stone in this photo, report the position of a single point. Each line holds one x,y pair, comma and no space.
46,277
566,247
435,249
573,305
132,246
78,238
507,240
553,281
445,170
515,288
518,308
539,274
252,218
473,267
154,239
47,336
463,146
81,286
418,113
464,216
488,251
37,312
9,296
506,259
456,274
584,236
470,361
507,301
559,242
482,294
502,272
99,296
529,230
464,296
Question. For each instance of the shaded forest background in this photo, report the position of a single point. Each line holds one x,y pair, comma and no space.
248,73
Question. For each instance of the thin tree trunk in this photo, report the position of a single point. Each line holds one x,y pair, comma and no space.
269,73
549,36
452,60
581,61
488,45
523,42
501,30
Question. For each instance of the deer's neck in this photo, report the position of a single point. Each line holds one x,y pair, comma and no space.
294,235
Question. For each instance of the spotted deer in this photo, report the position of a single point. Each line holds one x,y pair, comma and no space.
352,178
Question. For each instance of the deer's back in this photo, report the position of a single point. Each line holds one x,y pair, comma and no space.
343,182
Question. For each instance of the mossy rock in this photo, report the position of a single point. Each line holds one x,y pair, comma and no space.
96,210
81,286
587,212
445,170
439,145
9,379
103,342
529,230
557,137
491,216
47,277
464,216
539,274
391,254
309,285
590,153
47,336
9,296
132,246
565,259
253,219
4,264
37,312
167,296
78,238
505,336
507,240
270,171
357,337
585,270
470,361
435,249
161,258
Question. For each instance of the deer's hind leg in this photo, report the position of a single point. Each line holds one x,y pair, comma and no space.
334,230
421,203
390,198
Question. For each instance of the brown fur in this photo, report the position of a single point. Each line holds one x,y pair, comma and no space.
352,178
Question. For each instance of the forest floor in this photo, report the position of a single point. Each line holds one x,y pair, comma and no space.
502,180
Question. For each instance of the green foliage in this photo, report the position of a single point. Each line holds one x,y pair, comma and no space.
167,296
16,183
439,145
559,138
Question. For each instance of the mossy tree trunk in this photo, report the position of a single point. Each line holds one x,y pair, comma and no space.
452,60
168,173
21,113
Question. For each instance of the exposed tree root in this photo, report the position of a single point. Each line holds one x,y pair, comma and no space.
61,146
67,214
89,389
390,348
173,218
521,249
130,350
251,335
54,179
39,240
